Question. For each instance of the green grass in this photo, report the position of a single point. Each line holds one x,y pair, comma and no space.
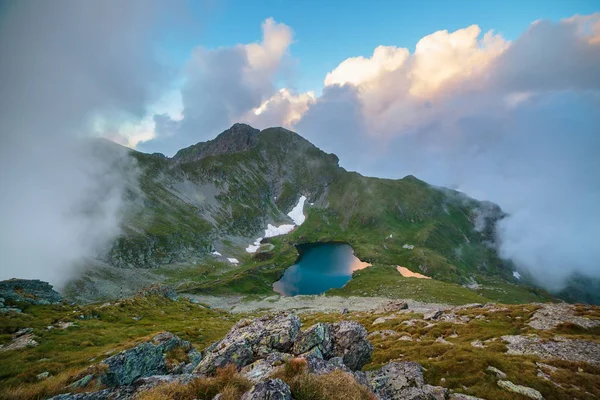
386,281
105,331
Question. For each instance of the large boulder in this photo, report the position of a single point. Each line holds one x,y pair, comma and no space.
270,389
144,360
263,368
31,291
317,336
403,380
249,340
350,342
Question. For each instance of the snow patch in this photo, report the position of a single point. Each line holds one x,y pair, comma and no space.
278,230
297,214
216,253
233,260
516,275
255,246
408,246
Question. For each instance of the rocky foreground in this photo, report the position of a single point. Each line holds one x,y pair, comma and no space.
156,346
258,349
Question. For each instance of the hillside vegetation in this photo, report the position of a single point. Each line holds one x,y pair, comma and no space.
220,195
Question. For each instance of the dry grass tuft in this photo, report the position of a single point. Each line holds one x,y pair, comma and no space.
227,381
333,386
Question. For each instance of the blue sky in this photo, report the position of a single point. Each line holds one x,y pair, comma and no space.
327,32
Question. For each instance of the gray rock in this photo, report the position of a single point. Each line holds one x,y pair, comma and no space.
431,315
395,378
319,336
81,383
250,340
550,315
460,396
101,395
562,349
499,374
195,357
522,390
143,360
271,389
20,340
318,366
263,368
30,291
149,382
43,375
350,342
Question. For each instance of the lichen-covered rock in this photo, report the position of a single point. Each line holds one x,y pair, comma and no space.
251,340
101,395
499,374
350,342
550,315
460,396
271,389
317,336
403,381
319,366
522,390
20,340
263,368
31,291
143,360
561,348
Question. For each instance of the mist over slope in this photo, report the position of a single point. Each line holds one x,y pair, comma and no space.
63,197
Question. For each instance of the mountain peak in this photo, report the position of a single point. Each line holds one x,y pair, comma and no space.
240,137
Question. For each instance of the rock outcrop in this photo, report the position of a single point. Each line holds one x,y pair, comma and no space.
21,339
259,348
522,390
559,348
248,341
32,291
270,389
403,380
550,315
144,360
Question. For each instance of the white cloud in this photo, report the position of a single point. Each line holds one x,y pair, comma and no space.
515,123
64,64
358,70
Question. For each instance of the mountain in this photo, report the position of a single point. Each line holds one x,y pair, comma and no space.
220,195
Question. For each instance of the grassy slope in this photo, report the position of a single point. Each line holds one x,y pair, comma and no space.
64,353
462,367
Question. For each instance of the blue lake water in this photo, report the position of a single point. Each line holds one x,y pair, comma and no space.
320,267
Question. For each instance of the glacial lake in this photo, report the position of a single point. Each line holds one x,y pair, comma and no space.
320,267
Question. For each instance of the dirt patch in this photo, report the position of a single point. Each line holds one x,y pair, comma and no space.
407,273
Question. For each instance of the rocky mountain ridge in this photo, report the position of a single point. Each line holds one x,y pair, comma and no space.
217,197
